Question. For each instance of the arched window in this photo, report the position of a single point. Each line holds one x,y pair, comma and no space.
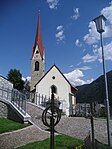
54,88
36,66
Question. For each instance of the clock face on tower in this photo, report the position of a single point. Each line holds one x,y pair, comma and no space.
37,55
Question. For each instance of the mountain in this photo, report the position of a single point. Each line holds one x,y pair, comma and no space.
95,91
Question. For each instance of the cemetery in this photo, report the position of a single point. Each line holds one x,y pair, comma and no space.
38,130
44,113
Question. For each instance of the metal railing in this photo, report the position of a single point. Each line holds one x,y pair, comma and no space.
17,98
5,93
43,101
38,99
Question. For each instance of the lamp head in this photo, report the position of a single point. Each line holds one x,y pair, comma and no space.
100,23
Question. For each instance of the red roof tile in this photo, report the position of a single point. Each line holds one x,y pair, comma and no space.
38,40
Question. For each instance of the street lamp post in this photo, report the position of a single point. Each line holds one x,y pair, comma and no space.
100,24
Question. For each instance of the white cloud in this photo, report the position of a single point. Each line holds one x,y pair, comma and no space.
71,66
93,36
107,52
60,27
95,49
23,78
76,14
84,68
78,43
97,54
89,58
95,46
79,63
89,81
75,76
53,4
60,33
84,50
108,31
28,78
107,12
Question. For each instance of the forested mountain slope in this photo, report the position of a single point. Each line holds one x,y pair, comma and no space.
95,91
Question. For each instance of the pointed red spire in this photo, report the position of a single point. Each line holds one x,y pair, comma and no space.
38,39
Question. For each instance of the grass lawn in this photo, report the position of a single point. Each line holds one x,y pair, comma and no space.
7,125
104,117
61,142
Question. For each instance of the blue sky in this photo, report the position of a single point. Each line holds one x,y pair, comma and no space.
69,36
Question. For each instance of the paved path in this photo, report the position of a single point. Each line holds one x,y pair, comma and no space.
72,126
22,137
26,135
80,127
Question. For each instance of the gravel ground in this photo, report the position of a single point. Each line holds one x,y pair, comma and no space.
22,137
80,127
72,126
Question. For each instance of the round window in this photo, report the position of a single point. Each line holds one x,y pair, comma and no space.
53,77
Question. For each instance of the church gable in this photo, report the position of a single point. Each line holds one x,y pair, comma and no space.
52,74
55,70
54,77
63,89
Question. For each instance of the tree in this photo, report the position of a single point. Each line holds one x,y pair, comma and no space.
15,77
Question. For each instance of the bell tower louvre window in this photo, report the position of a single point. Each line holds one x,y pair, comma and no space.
36,66
37,52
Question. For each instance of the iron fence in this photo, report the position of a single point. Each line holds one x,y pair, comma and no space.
44,101
17,98
38,99
99,145
88,144
5,93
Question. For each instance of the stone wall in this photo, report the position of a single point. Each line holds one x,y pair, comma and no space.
7,108
6,111
5,83
3,110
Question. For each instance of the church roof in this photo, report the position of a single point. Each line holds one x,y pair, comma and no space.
72,87
38,39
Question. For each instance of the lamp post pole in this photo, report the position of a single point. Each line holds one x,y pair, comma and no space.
100,24
106,91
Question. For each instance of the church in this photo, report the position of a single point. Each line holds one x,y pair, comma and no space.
41,82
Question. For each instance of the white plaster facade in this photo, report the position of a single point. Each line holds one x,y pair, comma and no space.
64,91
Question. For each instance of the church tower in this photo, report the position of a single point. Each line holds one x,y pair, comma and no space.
37,60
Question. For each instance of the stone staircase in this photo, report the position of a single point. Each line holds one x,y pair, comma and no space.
29,134
13,105
36,114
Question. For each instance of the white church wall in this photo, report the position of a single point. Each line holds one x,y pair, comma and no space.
63,87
